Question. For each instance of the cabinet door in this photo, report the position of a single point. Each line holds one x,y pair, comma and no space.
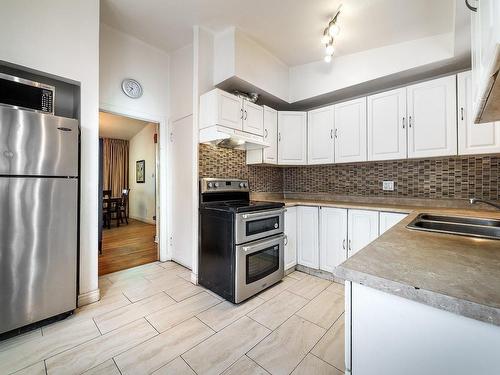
291,237
388,220
432,121
320,142
307,237
230,111
350,131
333,237
473,138
387,125
253,118
362,229
292,134
271,135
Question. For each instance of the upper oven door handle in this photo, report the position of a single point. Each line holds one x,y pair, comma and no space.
263,244
255,215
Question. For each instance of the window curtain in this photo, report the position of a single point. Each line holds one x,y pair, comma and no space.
115,165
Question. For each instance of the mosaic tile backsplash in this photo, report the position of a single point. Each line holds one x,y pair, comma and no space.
458,177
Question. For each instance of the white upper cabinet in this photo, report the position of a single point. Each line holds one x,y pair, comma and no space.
307,236
362,229
350,131
388,220
291,237
218,107
333,237
292,138
473,138
320,140
432,122
253,118
268,155
387,125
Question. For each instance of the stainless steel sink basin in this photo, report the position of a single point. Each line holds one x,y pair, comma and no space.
459,225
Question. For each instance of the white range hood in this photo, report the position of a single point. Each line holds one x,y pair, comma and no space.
231,138
487,106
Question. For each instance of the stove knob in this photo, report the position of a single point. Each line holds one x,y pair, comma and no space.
216,184
246,185
242,185
210,185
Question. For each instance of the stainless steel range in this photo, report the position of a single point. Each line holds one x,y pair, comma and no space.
241,241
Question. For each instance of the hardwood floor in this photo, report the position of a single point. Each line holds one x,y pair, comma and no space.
127,246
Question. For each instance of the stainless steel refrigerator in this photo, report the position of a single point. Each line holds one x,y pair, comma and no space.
38,216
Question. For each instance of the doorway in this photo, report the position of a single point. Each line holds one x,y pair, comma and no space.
128,164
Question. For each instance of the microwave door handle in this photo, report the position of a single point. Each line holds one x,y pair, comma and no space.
263,214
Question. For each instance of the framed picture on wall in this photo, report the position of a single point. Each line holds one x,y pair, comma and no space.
140,171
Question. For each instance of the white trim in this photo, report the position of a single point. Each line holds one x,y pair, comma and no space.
89,297
143,219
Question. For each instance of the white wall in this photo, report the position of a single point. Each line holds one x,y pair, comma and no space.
61,38
123,56
181,83
318,78
142,195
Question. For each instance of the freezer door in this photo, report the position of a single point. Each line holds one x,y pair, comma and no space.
38,249
37,144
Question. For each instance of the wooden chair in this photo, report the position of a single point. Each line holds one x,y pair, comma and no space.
106,208
124,206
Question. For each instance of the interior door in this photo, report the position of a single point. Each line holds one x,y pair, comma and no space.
473,138
38,255
362,229
333,237
387,125
292,136
270,154
253,118
320,142
432,121
350,131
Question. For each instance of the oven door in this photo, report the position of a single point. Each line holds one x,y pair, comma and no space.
255,225
259,264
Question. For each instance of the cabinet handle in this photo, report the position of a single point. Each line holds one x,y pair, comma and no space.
409,122
241,116
343,244
403,122
336,132
265,132
246,115
462,113
350,249
279,137
286,239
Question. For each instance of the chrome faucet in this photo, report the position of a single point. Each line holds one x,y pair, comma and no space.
476,200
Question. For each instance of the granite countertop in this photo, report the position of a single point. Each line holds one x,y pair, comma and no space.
450,272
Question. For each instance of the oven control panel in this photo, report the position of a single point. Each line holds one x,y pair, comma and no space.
209,185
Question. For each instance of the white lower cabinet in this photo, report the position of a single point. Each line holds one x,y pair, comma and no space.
388,220
333,237
291,237
307,236
362,229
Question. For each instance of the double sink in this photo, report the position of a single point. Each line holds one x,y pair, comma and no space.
459,225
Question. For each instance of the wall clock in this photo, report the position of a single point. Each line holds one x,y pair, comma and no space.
132,88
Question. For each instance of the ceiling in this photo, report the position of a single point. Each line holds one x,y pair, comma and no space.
119,127
290,29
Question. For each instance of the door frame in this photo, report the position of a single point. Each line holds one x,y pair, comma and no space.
162,220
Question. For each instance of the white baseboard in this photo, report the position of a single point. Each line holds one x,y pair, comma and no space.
194,278
143,219
89,297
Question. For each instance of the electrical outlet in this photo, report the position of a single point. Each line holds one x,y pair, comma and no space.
388,185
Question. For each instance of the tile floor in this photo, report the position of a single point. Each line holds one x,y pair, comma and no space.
151,319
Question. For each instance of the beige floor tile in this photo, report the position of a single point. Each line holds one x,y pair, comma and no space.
245,366
57,340
337,288
225,313
297,275
19,340
220,351
309,287
100,349
120,286
103,306
144,270
136,293
313,365
160,350
183,290
170,316
177,367
120,317
277,288
331,346
106,368
282,350
278,309
171,265
324,309
36,369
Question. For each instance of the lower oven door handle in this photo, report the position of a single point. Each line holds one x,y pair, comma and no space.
261,244
263,214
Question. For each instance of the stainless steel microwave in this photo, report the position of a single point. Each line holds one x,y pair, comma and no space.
25,94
